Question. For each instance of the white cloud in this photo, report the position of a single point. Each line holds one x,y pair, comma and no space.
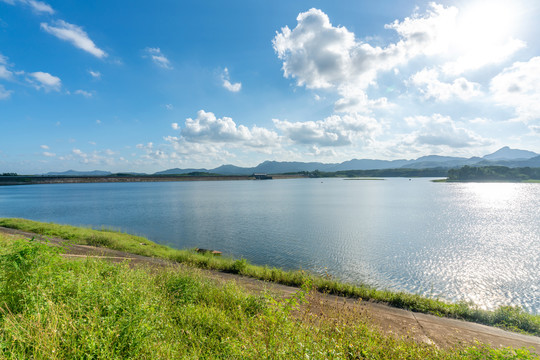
441,131
95,157
236,87
356,100
98,121
518,87
75,35
332,131
95,74
482,56
148,146
483,35
169,106
83,93
45,81
48,154
4,94
44,147
40,6
320,56
158,58
206,127
4,72
175,126
429,84
79,152
37,6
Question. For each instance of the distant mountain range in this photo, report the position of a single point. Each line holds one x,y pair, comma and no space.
79,173
504,157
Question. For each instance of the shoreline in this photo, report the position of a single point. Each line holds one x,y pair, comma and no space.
37,180
508,317
422,328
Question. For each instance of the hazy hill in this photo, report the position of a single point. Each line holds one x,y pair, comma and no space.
177,171
504,157
506,153
79,173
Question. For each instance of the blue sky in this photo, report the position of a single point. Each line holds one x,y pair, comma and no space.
145,86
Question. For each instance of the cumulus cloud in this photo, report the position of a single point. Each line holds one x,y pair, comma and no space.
158,58
44,147
206,127
518,87
45,81
332,131
319,55
37,6
49,154
75,35
438,130
236,87
428,83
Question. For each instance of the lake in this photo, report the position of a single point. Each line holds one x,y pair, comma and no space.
456,241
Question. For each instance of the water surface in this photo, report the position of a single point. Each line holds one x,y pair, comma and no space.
456,241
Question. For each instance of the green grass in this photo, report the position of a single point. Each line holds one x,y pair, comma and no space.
507,317
55,308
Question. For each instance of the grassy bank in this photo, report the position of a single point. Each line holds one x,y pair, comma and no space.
55,308
507,317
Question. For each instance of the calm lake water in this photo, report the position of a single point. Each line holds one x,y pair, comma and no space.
474,242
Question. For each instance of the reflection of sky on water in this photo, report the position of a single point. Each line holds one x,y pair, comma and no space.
472,242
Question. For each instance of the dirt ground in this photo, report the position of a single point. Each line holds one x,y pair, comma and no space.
441,332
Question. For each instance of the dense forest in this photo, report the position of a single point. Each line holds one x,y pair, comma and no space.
493,173
431,172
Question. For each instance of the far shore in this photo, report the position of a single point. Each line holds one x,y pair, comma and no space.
34,180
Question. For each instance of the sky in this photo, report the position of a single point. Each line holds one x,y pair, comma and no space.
145,86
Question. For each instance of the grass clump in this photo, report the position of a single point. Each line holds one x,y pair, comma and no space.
55,308
511,318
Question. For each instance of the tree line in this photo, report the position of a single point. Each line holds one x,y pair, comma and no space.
493,173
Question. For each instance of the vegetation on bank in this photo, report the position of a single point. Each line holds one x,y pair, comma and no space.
507,317
55,308
494,173
377,173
